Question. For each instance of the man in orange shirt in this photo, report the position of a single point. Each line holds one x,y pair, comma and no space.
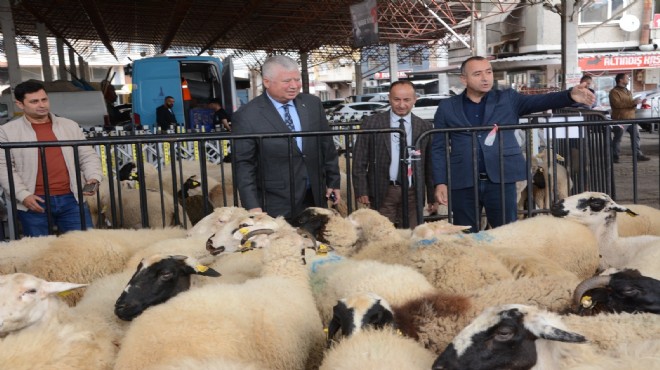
187,99
59,187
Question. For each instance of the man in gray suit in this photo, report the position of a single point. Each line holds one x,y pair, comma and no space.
263,167
378,174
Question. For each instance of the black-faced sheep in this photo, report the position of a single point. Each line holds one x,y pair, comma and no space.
369,339
273,319
617,291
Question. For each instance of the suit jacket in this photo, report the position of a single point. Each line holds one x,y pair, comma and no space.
165,118
503,107
373,153
262,169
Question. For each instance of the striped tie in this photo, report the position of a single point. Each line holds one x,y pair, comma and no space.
287,118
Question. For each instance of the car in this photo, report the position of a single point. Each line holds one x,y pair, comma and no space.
355,111
332,103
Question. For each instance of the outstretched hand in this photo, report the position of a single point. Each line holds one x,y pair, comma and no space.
582,94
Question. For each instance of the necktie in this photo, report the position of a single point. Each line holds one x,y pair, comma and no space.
287,118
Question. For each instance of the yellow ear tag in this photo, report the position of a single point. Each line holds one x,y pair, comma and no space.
65,293
243,230
586,301
323,249
195,183
247,246
201,268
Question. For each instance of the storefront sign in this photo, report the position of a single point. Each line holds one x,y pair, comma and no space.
619,62
656,21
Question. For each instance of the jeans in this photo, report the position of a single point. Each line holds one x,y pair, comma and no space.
64,212
463,205
618,135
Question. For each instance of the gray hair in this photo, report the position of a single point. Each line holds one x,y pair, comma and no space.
283,61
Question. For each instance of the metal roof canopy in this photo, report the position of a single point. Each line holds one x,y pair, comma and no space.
196,26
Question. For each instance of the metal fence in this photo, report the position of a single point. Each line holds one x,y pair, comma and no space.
583,142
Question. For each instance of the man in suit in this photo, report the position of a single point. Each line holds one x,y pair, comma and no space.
479,105
378,173
164,115
264,180
623,107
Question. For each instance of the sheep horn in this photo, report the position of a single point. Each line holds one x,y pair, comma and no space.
591,283
252,233
214,251
318,248
306,234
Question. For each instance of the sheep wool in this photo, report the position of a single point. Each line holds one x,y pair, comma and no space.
270,321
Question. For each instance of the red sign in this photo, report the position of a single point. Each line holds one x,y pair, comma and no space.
619,62
656,21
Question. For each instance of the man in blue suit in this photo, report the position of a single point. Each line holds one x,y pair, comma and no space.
480,105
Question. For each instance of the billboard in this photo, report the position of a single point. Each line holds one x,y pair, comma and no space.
364,17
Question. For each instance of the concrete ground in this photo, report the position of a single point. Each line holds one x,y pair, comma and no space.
648,173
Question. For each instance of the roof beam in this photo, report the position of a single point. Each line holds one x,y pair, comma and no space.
97,22
41,18
179,12
247,10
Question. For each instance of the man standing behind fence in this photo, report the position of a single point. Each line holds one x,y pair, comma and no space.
37,124
480,105
623,107
263,166
378,172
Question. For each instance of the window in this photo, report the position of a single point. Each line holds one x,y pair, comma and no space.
416,59
601,10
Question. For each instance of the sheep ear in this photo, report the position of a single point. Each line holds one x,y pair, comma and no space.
552,333
206,271
60,288
333,328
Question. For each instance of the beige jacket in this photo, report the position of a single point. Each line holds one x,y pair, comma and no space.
622,103
25,160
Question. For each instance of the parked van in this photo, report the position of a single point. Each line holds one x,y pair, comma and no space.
157,77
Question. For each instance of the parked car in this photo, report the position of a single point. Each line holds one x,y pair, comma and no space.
355,111
330,104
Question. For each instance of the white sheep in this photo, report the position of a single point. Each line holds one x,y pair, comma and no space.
598,212
218,220
41,333
373,347
87,255
16,254
271,321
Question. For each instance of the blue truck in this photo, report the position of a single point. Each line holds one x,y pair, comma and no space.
155,78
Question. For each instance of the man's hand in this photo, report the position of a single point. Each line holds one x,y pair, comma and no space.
432,208
364,199
255,210
582,94
334,195
32,203
441,193
90,193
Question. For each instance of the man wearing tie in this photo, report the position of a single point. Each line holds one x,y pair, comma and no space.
263,166
164,115
378,173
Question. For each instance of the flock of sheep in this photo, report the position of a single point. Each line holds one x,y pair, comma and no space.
575,290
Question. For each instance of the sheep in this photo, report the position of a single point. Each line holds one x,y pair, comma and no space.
328,226
189,363
371,342
219,219
15,255
128,211
523,337
40,332
193,204
647,221
598,212
617,291
86,255
270,321
157,279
